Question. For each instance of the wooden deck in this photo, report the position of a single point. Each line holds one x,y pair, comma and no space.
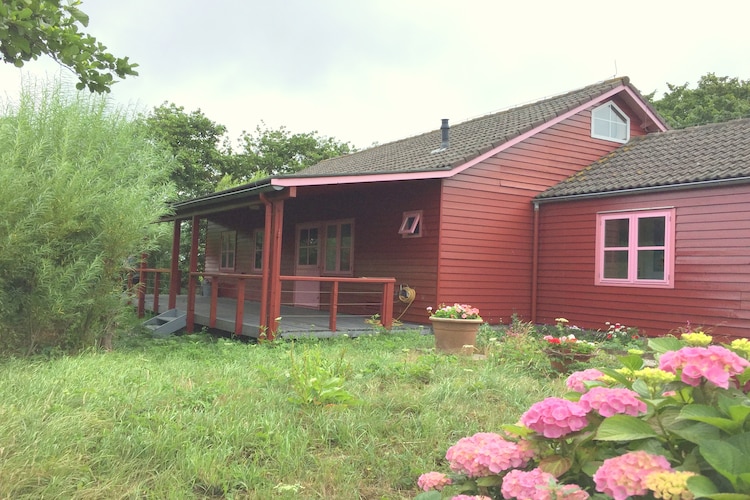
295,321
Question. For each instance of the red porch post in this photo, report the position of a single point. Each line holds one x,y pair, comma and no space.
195,234
265,278
174,270
274,309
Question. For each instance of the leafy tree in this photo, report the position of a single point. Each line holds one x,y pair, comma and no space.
81,184
197,144
280,152
715,99
30,28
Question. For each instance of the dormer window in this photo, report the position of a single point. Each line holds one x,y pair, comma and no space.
608,122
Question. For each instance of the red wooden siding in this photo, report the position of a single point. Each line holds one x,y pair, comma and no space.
712,265
486,228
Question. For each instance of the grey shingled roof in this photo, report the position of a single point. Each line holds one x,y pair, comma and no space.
714,152
467,139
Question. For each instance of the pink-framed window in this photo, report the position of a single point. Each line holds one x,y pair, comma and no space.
339,247
635,248
411,224
258,238
228,248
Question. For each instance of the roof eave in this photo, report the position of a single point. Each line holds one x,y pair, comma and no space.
643,190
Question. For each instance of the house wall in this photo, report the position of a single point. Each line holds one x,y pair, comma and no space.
712,265
486,230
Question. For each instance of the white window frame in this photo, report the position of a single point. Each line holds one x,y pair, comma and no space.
258,252
633,248
604,114
338,247
411,224
228,250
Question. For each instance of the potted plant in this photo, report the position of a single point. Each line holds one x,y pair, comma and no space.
565,349
455,327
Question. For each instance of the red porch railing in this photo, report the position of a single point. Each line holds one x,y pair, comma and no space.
142,288
386,302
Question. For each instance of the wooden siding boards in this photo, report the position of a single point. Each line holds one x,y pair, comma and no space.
485,256
712,264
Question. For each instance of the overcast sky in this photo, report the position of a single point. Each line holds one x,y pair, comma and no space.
379,70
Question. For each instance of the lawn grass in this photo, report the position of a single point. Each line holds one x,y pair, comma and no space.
201,417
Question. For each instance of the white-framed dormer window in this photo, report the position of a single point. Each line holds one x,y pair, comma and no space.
610,123
411,224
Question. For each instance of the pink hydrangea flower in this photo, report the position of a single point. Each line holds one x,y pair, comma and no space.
624,476
714,363
575,382
433,481
531,485
555,417
486,453
607,401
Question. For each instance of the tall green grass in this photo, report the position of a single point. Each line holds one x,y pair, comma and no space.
199,417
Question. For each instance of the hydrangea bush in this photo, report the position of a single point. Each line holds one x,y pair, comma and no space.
679,430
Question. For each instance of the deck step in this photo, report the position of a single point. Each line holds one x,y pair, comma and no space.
166,323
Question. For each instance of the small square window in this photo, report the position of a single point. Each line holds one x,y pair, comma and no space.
411,224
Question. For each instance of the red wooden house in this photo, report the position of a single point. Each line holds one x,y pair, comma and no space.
480,212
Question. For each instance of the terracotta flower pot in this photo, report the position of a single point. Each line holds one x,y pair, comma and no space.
451,335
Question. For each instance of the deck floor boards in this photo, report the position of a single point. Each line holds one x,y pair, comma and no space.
295,321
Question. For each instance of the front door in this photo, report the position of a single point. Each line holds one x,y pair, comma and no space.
307,263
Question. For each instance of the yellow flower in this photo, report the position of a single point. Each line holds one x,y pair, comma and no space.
741,346
654,376
669,485
697,339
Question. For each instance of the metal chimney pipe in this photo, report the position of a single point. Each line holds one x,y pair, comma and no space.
444,130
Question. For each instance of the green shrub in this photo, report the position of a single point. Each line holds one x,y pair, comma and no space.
80,188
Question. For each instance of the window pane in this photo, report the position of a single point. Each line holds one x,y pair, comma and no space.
651,265
616,233
346,264
651,232
601,128
331,243
258,258
302,260
616,264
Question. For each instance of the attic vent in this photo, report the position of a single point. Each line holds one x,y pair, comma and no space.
444,136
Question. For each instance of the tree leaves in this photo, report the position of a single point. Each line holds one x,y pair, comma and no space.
30,29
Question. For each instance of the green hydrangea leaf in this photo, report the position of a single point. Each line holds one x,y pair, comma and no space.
624,428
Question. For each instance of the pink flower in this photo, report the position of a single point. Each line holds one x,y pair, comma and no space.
714,363
433,481
485,453
575,381
555,417
624,476
531,485
538,485
610,402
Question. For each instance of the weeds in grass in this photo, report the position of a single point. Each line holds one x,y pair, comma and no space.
197,417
